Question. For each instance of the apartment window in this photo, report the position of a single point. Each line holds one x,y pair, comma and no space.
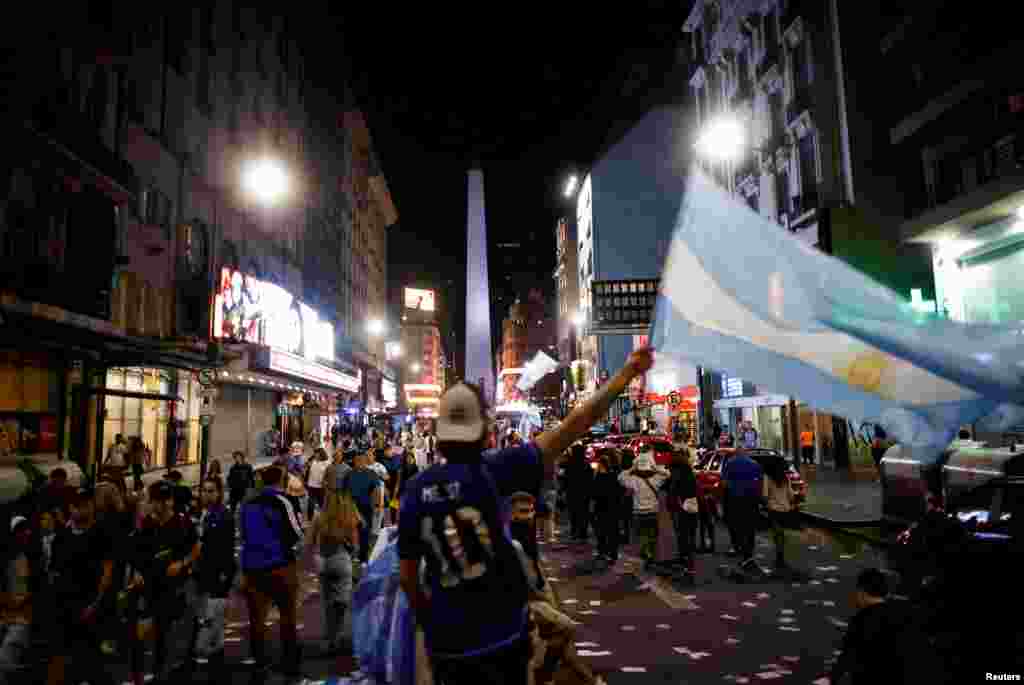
771,33
802,68
777,112
782,192
808,172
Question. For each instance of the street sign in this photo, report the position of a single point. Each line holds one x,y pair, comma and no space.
622,307
207,377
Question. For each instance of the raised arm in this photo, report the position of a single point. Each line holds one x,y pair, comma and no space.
552,443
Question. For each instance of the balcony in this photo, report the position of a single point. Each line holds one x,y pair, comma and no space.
804,203
72,137
975,186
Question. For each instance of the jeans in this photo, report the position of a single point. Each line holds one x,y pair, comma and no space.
316,501
82,644
705,527
506,666
743,514
684,524
647,529
279,587
579,511
608,534
335,594
15,639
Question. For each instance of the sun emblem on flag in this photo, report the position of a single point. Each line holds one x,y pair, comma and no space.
866,370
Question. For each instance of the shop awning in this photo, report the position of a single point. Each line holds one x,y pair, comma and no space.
40,326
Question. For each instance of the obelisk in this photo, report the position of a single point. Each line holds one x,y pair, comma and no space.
479,357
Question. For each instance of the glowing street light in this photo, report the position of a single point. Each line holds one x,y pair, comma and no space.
723,139
415,368
579,319
375,327
266,180
570,186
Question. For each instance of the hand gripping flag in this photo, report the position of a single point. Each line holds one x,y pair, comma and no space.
740,294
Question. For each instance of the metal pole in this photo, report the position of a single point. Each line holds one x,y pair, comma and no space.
100,376
248,421
204,448
62,405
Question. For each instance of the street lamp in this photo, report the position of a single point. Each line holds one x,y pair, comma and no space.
570,186
722,139
578,320
266,180
375,327
415,368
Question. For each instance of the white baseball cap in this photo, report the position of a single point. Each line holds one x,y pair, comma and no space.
17,521
459,416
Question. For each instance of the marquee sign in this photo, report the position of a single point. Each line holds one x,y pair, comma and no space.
293,365
246,309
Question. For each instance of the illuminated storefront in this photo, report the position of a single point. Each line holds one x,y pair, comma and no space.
288,380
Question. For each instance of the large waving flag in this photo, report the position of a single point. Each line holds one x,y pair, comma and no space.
742,295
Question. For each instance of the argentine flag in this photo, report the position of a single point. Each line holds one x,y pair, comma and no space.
742,295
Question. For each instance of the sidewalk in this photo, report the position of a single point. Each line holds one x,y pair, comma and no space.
852,498
47,463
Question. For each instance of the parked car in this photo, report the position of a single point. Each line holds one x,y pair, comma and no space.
661,444
709,470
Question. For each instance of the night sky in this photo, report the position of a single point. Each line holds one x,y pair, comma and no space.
532,98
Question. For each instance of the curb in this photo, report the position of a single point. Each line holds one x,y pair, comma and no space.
848,527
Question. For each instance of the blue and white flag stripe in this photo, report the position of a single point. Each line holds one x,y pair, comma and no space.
739,294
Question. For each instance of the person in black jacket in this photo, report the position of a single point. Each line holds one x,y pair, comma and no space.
214,577
680,487
241,479
580,476
883,642
607,495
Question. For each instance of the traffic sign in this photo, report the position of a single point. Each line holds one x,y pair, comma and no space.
207,377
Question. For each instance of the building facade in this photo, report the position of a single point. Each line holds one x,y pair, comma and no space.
775,69
423,356
126,183
616,242
527,330
567,304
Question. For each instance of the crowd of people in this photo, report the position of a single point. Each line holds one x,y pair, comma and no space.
437,520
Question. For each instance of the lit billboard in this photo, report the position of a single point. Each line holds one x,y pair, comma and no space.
247,309
419,300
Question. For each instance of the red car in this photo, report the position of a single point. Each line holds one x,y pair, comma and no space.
709,471
661,444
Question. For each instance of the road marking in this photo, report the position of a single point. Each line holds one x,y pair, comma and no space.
787,612
587,644
825,569
749,605
634,669
786,619
584,652
628,629
732,641
727,617
663,626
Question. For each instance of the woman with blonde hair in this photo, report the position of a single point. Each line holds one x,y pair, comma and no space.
335,532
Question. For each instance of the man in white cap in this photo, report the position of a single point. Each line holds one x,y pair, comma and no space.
473,604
